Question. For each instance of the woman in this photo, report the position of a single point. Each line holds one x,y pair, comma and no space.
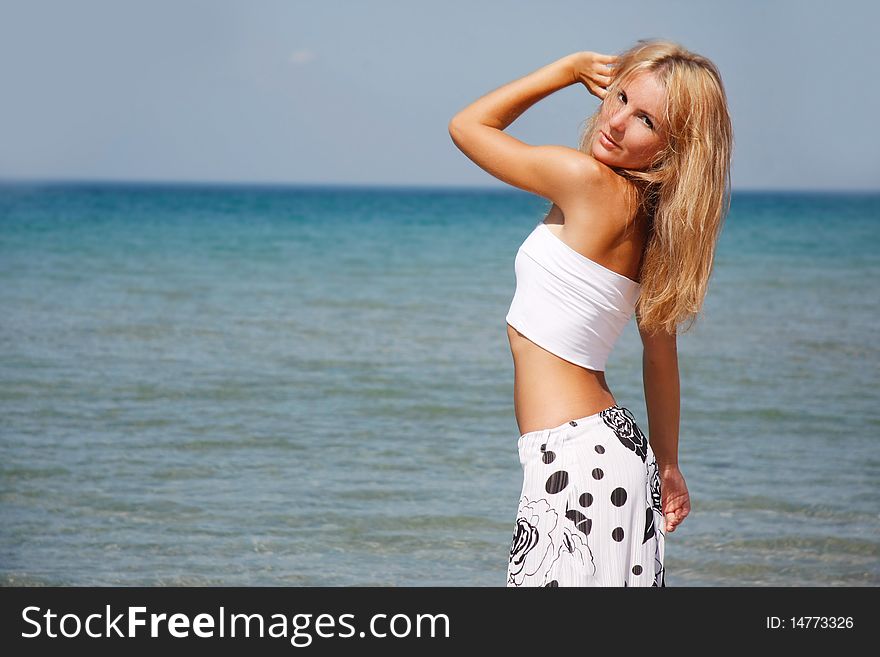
635,215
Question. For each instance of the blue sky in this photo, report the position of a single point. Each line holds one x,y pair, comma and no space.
361,92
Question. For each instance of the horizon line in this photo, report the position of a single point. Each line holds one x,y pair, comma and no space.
5,181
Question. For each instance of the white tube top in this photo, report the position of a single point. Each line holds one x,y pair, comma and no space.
568,304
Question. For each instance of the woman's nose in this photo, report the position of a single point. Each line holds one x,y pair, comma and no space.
617,121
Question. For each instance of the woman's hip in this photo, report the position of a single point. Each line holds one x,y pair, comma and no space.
611,435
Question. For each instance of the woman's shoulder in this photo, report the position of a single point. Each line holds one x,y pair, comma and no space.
606,194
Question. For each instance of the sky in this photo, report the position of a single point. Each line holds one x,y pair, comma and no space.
361,92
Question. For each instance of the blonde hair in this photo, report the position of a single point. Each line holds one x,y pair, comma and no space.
685,190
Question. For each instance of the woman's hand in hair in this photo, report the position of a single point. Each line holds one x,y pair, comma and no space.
591,69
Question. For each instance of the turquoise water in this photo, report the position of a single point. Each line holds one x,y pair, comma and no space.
270,386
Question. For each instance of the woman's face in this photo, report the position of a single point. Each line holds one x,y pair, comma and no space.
631,118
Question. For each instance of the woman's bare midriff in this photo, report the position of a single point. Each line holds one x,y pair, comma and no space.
548,390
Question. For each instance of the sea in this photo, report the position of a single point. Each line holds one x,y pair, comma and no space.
266,385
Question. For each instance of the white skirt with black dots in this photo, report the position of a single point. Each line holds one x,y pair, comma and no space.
589,513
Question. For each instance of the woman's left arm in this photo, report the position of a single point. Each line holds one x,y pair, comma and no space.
662,396
663,399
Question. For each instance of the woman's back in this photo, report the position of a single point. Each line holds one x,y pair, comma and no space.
548,387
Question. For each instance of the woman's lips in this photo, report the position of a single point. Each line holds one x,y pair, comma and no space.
606,141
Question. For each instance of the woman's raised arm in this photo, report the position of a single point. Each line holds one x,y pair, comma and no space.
557,173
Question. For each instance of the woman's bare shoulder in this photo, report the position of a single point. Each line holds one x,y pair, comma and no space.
606,194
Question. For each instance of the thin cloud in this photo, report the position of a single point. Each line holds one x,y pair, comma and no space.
300,57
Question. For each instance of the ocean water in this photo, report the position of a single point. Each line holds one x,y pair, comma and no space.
206,385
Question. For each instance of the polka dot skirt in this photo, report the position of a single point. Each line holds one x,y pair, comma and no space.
589,513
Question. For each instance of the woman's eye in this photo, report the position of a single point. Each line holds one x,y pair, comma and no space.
622,97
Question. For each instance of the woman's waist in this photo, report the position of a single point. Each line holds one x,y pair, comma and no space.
544,388
533,360
539,410
547,394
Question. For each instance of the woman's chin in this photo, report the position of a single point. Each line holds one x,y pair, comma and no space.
599,154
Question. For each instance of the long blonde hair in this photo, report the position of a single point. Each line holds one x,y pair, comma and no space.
685,191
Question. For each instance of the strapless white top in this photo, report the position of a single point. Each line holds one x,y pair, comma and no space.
568,304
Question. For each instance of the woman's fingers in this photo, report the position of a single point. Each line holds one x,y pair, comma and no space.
675,516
